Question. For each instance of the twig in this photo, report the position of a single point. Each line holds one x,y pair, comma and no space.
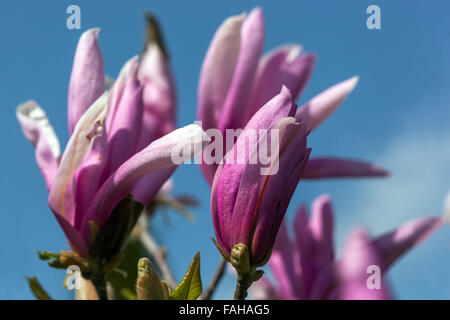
220,271
155,252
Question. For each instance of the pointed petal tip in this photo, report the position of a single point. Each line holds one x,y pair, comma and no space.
286,92
324,198
26,107
351,83
234,21
93,32
294,51
256,16
257,11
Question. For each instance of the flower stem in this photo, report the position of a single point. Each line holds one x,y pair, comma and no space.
243,282
99,281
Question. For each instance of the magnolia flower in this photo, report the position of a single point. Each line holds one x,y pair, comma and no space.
113,149
306,268
248,207
235,82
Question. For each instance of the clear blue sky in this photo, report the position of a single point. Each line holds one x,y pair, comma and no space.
398,116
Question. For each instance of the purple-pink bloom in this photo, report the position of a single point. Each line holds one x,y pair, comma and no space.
119,144
306,267
236,81
247,207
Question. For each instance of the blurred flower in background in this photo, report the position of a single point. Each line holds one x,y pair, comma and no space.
306,267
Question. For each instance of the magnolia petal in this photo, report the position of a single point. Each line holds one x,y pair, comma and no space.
158,96
38,130
151,129
217,71
208,171
216,217
87,81
263,290
315,111
332,167
76,241
240,91
248,210
124,118
235,161
358,255
302,232
282,66
158,155
62,194
269,223
393,245
146,189
282,266
321,226
89,174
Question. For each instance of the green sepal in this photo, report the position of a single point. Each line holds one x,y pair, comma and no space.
47,255
37,289
190,288
154,34
51,258
124,282
112,236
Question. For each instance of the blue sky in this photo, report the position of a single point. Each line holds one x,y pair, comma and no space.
397,116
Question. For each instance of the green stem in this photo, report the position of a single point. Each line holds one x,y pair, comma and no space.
243,282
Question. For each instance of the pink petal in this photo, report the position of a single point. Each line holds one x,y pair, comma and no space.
321,226
158,96
88,177
217,71
304,240
331,167
358,254
146,189
62,194
240,91
282,66
87,81
124,117
158,155
38,130
75,239
263,290
393,245
278,190
282,266
228,183
315,111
